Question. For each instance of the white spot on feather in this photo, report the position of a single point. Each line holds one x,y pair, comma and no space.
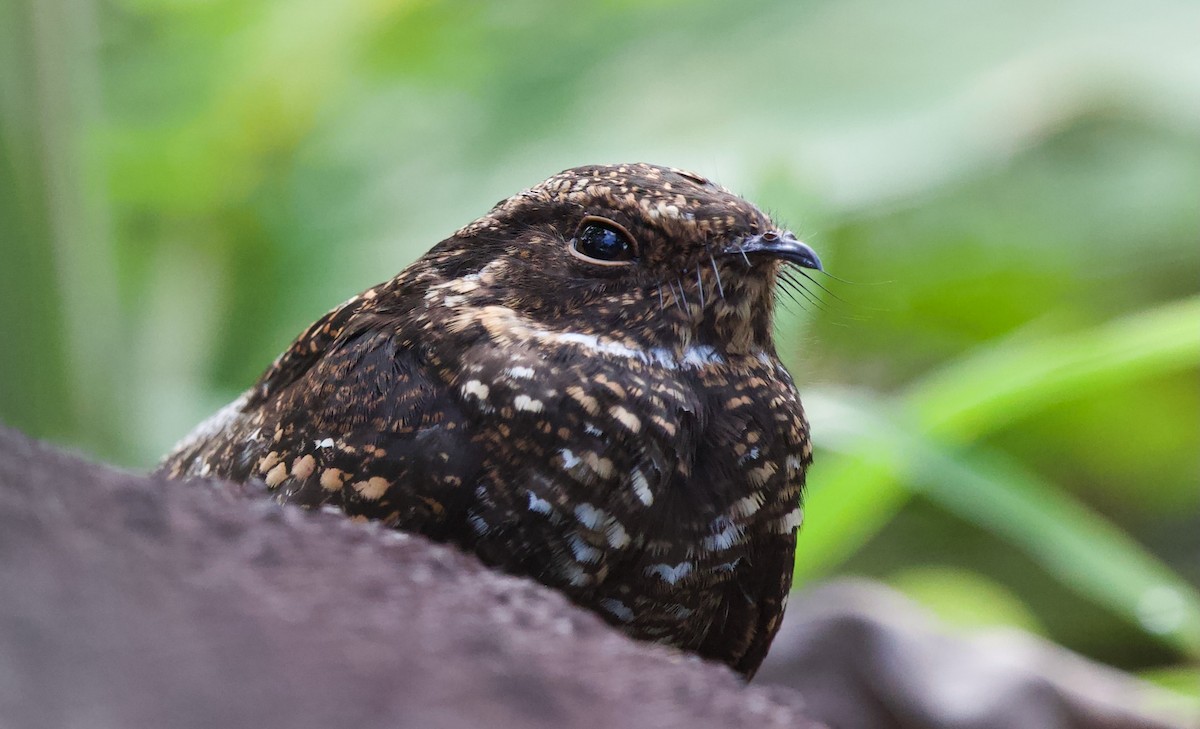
670,574
790,521
537,504
663,357
476,388
641,487
615,534
584,552
701,355
594,343
727,534
589,516
751,456
524,402
746,506
478,525
617,609
570,460
574,573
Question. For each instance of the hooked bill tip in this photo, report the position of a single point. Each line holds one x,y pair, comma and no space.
782,245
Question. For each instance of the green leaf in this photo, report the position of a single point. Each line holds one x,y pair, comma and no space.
1011,379
1080,548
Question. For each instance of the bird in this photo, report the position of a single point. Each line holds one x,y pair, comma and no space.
580,387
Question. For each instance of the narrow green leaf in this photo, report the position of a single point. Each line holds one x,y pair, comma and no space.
1013,378
1080,548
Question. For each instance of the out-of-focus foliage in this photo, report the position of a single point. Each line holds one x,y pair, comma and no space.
1002,377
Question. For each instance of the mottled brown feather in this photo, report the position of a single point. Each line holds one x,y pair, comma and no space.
624,433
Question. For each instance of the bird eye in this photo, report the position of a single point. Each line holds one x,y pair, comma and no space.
603,242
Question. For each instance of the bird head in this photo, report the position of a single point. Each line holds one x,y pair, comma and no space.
653,256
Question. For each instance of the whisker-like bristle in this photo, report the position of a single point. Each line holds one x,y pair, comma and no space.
847,281
717,273
788,292
676,297
661,307
683,295
803,272
787,299
744,256
700,285
799,289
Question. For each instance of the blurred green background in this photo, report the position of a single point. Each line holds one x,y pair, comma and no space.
1003,381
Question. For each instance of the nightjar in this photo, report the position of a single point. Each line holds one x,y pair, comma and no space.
581,387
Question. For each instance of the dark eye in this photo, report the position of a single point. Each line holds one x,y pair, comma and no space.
603,242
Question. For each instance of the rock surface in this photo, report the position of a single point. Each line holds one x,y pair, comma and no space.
865,656
127,601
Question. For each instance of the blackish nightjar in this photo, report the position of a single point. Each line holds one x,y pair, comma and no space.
581,386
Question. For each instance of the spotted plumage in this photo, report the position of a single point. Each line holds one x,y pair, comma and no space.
581,387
